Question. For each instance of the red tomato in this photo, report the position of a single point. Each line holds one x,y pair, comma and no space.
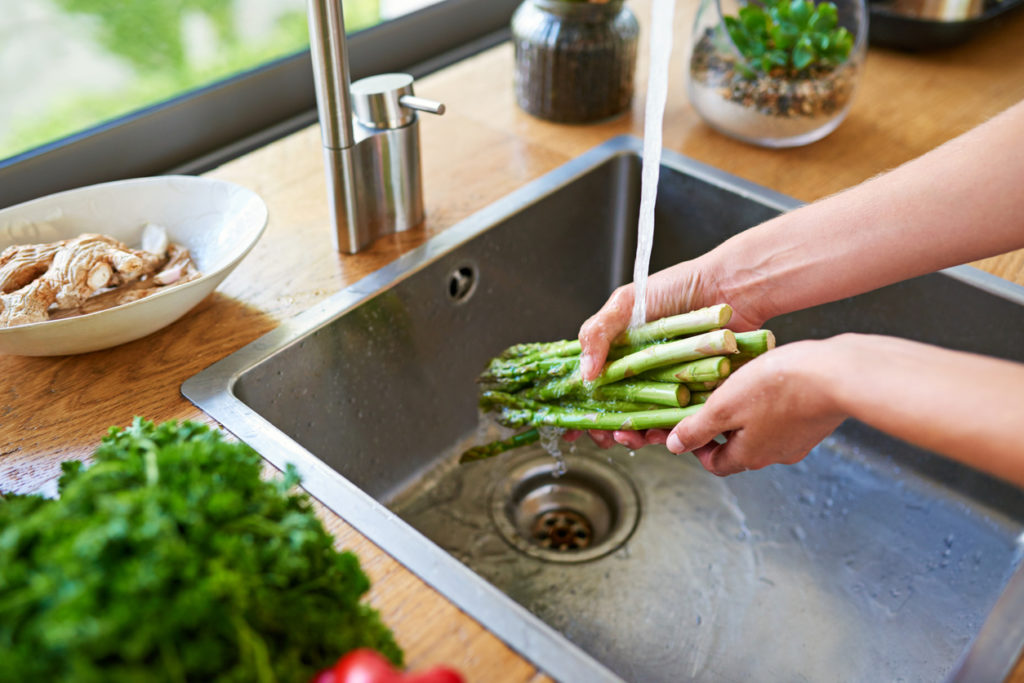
369,666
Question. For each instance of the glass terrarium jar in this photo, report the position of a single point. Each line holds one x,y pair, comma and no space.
574,60
776,73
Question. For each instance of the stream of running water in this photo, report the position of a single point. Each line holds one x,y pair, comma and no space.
654,111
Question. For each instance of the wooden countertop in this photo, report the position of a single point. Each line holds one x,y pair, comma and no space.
55,409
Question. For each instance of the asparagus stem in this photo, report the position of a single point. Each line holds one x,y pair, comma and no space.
537,350
557,416
557,388
497,447
714,343
647,419
663,393
519,412
544,367
699,397
701,320
702,386
606,406
700,370
739,360
511,377
755,343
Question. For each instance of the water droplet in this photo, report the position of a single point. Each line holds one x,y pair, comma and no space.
560,466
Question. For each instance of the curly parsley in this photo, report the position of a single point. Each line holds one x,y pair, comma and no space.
171,559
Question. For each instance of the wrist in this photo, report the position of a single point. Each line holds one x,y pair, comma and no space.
818,367
839,367
735,280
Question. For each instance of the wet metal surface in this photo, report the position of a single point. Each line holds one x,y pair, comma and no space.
574,509
869,561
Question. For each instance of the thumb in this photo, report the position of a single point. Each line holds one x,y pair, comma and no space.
694,431
600,329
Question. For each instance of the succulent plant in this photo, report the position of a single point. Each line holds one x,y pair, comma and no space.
788,34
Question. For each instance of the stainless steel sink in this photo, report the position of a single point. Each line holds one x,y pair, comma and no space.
870,561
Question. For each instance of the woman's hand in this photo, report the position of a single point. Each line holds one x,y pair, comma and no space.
774,409
778,406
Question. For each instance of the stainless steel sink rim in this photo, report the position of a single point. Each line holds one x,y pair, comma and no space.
523,631
586,482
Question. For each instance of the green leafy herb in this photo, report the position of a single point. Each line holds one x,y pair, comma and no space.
788,34
171,559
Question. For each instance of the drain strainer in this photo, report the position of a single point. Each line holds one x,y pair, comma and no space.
581,515
562,530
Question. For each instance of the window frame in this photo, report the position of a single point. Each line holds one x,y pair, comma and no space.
203,128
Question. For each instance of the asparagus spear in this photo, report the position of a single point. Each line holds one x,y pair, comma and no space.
700,370
713,343
558,416
699,397
497,447
754,343
511,377
663,393
701,320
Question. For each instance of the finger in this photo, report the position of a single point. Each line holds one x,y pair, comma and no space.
630,439
600,329
572,434
728,458
657,436
602,438
705,454
696,430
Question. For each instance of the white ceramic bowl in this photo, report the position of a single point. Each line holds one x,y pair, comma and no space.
218,222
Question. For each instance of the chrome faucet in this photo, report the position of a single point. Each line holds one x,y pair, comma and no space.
370,135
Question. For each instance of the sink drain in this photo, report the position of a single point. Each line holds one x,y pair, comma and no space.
581,515
562,530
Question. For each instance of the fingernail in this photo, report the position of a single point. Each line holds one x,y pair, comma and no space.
586,365
674,444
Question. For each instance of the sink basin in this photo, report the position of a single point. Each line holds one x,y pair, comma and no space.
870,560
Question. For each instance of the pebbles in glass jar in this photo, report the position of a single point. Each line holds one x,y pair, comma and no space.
777,74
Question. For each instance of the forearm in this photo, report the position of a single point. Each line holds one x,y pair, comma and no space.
958,203
965,406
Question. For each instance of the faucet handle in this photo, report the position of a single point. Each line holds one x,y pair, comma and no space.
387,101
421,104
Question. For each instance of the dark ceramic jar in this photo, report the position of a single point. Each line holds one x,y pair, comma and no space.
574,60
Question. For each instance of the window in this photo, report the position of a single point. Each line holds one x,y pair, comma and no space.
100,89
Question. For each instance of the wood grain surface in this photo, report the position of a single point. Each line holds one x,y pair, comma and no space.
54,409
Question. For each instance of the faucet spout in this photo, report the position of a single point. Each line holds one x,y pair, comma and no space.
329,50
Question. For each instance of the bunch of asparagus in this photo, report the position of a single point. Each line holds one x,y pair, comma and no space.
656,375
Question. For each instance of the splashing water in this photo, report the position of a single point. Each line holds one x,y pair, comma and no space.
654,112
551,441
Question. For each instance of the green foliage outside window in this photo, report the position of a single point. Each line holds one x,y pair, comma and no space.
148,36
